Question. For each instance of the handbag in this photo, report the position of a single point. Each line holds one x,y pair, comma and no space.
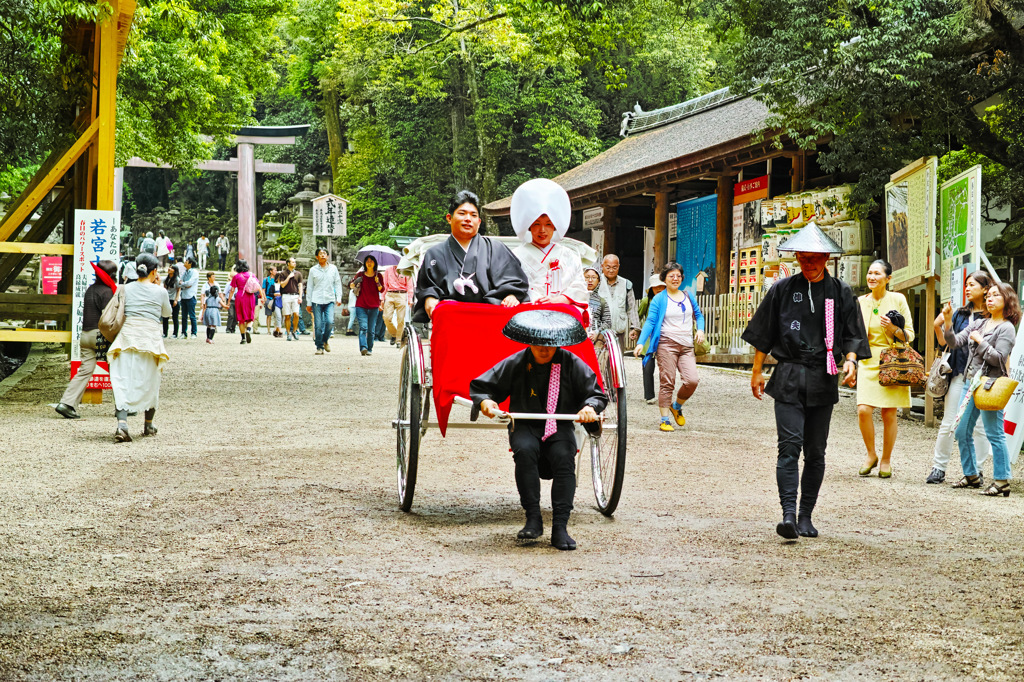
938,376
993,393
704,347
901,366
112,317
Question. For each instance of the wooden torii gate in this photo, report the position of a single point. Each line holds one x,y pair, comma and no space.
247,166
84,172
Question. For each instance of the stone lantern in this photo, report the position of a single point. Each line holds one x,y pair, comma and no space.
302,207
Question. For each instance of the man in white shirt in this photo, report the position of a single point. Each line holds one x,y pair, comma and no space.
323,293
540,214
223,248
202,250
618,292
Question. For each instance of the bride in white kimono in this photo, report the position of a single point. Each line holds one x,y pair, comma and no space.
540,214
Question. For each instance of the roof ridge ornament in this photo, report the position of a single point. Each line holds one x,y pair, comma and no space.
639,120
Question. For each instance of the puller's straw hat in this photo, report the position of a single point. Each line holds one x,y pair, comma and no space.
811,239
545,328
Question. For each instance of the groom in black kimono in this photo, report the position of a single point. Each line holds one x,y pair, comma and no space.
543,448
467,266
809,323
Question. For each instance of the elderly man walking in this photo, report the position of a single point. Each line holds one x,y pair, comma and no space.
809,322
393,307
618,292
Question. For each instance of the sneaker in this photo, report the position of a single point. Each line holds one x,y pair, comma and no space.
680,419
369,352
319,351
936,476
287,337
327,347
209,340
652,401
666,426
392,340
364,352
305,333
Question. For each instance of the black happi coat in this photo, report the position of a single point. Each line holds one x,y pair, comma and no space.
498,274
784,326
525,382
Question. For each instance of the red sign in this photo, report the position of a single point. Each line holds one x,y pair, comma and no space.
750,190
100,377
50,271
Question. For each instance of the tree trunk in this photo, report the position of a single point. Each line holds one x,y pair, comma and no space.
332,121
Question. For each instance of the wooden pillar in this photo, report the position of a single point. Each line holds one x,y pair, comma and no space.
723,237
660,230
797,173
247,203
106,110
611,224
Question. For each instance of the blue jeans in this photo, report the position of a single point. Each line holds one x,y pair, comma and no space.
188,313
323,321
993,423
367,324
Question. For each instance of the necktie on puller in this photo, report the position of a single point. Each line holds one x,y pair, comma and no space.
550,426
830,333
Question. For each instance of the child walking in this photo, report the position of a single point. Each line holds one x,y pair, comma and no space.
212,304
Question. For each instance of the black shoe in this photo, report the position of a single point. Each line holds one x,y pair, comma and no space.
936,476
392,340
787,528
560,539
243,341
149,430
67,411
805,528
533,529
248,337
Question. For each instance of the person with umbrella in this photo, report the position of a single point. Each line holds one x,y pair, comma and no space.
368,284
809,322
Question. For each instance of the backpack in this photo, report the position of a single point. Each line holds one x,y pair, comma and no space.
252,285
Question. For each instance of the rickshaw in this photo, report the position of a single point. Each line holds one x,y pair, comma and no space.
437,370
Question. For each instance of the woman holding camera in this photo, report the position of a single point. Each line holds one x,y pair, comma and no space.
887,320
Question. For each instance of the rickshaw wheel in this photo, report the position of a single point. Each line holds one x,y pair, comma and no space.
408,425
608,451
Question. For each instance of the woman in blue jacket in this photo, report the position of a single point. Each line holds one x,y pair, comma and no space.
670,333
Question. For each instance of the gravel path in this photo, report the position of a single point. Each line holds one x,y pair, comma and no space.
258,537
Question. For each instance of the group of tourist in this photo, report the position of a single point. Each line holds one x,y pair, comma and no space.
818,332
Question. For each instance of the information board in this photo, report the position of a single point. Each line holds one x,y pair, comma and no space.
960,227
910,221
97,237
696,240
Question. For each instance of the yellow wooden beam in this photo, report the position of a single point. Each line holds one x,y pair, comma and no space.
35,335
44,249
41,186
107,109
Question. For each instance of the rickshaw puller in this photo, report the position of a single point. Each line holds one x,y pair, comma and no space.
544,378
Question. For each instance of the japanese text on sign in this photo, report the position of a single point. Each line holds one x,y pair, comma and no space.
330,216
97,237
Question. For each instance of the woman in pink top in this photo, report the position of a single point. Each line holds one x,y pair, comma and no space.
245,303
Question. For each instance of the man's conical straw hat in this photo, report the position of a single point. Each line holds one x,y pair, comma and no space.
811,240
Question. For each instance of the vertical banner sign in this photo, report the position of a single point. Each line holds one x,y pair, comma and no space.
960,225
97,237
330,216
50,268
910,220
1013,415
696,240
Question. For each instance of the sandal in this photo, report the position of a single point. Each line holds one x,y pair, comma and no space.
149,430
121,436
995,490
969,482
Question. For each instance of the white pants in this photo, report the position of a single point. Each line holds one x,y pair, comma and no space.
944,443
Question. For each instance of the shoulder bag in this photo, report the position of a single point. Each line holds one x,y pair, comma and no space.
938,376
901,365
112,317
993,393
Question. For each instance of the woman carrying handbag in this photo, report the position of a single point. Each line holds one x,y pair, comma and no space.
883,333
989,343
975,291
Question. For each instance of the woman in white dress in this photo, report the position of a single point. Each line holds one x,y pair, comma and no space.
137,354
540,214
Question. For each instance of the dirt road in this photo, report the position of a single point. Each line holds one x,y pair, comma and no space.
257,537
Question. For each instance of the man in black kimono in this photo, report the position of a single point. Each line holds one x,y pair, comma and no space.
809,323
467,266
543,448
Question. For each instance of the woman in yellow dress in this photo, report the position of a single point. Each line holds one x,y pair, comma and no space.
875,306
